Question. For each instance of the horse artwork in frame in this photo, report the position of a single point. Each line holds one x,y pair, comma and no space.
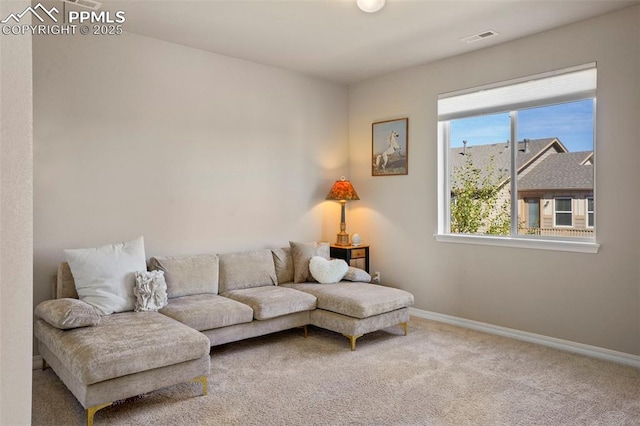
389,147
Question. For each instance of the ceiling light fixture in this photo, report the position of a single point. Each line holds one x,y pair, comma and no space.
370,6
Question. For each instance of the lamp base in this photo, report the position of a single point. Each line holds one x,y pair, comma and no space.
343,239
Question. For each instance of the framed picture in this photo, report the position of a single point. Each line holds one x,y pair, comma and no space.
389,147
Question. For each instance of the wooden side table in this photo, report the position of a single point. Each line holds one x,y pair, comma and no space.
356,256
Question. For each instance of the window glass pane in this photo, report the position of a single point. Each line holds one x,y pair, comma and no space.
563,219
479,175
590,212
563,214
555,159
563,205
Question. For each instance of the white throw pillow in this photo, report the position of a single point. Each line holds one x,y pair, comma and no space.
105,276
327,271
150,291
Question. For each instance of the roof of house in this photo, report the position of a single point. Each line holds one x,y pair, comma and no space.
560,171
542,164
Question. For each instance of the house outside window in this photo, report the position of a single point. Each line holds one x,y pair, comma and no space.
525,189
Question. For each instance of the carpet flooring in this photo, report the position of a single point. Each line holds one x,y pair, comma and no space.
437,375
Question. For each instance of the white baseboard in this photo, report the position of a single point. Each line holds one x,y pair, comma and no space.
552,342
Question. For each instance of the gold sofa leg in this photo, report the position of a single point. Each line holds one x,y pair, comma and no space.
352,340
306,330
91,411
203,381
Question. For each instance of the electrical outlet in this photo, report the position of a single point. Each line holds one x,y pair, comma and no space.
376,277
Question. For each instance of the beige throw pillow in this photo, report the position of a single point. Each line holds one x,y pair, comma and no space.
302,254
283,263
67,313
356,274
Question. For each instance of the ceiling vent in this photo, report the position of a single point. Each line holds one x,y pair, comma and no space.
480,36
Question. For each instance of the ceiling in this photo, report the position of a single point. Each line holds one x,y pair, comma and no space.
334,40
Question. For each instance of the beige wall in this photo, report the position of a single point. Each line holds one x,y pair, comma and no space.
197,152
16,220
592,299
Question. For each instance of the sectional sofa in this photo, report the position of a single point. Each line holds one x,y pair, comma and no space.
212,300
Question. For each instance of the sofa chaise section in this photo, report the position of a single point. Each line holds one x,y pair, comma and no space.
124,355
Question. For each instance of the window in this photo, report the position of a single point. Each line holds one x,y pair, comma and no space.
563,212
511,153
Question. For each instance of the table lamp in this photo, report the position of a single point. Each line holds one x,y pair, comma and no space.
342,191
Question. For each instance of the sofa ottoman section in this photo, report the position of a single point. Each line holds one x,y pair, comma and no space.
354,328
357,308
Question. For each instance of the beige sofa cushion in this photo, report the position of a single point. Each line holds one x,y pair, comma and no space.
302,254
65,285
246,269
207,311
124,343
271,301
188,275
283,262
358,300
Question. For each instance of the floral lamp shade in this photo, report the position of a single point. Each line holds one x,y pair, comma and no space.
342,190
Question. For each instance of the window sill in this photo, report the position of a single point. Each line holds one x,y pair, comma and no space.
527,243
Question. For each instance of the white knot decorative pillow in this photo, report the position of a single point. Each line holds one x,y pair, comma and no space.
327,271
150,291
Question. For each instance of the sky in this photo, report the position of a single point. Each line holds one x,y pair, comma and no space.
570,122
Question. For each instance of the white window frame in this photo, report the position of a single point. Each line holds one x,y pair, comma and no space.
554,88
593,212
556,211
